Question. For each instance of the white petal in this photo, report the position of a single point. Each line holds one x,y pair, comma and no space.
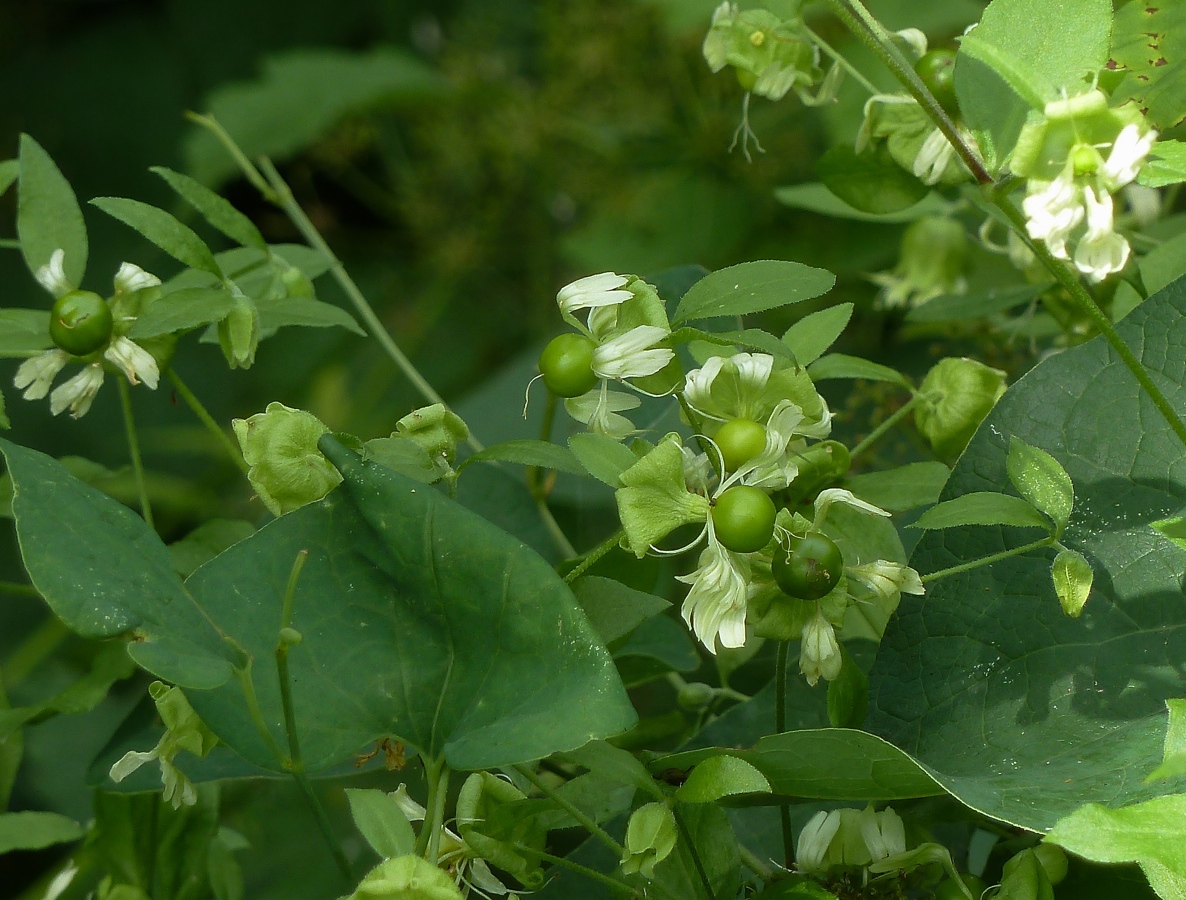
138,364
598,409
630,355
840,495
52,276
129,763
77,393
1128,154
715,606
60,882
814,840
38,373
131,277
412,810
819,651
933,157
593,291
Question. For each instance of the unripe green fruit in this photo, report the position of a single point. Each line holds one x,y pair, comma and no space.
937,71
743,518
740,441
810,569
80,322
567,365
950,889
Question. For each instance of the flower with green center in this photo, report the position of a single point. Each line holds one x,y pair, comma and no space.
849,837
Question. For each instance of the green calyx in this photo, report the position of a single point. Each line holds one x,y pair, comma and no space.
955,397
435,428
286,468
406,878
654,499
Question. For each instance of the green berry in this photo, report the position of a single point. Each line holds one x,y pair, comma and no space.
810,569
80,322
937,71
740,441
950,889
567,365
743,518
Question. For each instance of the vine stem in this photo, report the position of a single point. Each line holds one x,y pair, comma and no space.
539,489
591,874
987,560
838,57
780,725
125,402
206,419
877,433
13,587
857,18
754,863
593,556
583,820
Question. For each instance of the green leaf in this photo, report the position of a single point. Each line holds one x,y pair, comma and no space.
1147,42
420,620
1043,483
543,454
602,457
871,181
815,197
982,508
36,830
380,820
721,776
848,694
48,216
207,541
750,339
10,170
24,332
1019,710
613,609
1173,761
162,229
815,333
840,365
279,312
906,487
1166,165
614,764
404,455
299,96
963,307
1072,578
215,209
752,287
104,572
715,844
1151,834
183,310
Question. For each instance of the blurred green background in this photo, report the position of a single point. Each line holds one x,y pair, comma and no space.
465,160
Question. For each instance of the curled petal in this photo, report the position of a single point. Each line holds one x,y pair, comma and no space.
715,606
814,840
138,364
839,495
633,354
1128,154
131,277
593,291
78,393
36,375
52,276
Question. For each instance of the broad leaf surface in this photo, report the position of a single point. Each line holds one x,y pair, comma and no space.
841,365
420,620
752,287
1019,710
36,830
871,181
1149,41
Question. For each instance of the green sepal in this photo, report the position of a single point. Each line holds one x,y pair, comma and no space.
655,499
954,398
406,878
286,468
491,824
436,429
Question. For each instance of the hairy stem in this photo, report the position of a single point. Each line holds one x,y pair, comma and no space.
125,402
583,820
206,419
592,557
987,560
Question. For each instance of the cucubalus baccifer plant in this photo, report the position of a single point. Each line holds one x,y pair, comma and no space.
1019,701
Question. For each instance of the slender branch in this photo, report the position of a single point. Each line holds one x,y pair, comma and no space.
877,433
593,556
539,488
9,244
868,30
687,836
752,862
780,725
125,402
25,590
206,419
987,560
592,874
844,63
249,170
247,686
583,820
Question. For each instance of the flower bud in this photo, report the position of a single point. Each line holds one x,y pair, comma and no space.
1025,877
287,470
954,398
650,838
436,429
695,696
238,334
931,263
406,878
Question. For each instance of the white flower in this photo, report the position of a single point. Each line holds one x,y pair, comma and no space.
1101,250
814,840
138,364
593,291
78,393
1144,203
715,606
933,158
839,495
131,277
819,654
36,375
52,276
1128,154
883,833
632,354
1052,211
753,372
60,882
599,410
888,579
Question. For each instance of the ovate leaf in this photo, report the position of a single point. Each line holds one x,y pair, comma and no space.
721,776
614,609
752,287
840,365
48,216
1039,478
906,487
36,830
871,181
183,310
813,334
602,457
531,453
381,821
1072,578
982,508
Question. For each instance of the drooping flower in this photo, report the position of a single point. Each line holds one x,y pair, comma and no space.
715,606
849,837
819,652
78,393
35,375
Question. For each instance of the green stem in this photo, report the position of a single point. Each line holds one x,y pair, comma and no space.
987,560
695,854
9,244
40,643
125,402
323,824
877,433
251,699
752,862
25,590
780,725
844,63
435,820
593,556
539,491
1083,299
249,170
206,419
281,195
583,820
592,874
869,31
